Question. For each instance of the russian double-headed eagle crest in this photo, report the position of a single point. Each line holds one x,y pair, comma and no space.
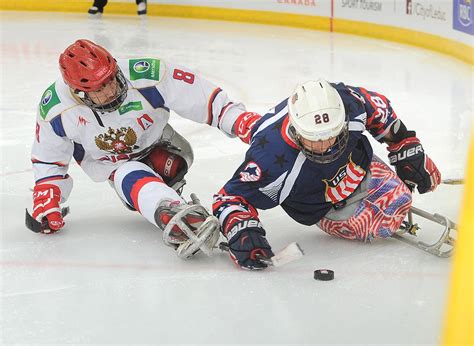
119,141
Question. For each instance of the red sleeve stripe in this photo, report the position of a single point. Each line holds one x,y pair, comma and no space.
138,186
367,96
209,106
222,113
48,163
370,117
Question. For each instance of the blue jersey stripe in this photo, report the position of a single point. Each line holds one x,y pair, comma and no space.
78,153
153,96
57,125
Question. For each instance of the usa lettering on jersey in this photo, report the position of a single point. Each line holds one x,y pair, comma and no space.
344,183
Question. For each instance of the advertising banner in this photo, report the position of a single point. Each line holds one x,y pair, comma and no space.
450,19
306,7
446,18
462,16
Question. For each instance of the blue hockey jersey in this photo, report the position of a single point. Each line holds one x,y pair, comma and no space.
275,172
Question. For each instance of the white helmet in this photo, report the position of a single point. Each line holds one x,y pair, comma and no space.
316,113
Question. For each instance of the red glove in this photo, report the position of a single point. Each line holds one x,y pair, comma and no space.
413,166
244,125
46,198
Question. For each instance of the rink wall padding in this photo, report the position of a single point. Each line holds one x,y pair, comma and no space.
429,41
415,38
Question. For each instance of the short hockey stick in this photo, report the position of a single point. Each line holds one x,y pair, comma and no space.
453,181
40,227
290,253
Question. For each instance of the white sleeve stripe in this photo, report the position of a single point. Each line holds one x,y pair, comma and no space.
356,126
362,117
290,181
229,210
385,132
271,120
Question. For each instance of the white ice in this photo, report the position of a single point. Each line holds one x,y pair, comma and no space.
108,278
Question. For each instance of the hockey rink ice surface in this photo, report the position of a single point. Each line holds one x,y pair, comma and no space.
108,278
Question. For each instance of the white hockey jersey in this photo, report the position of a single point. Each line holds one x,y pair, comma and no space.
100,142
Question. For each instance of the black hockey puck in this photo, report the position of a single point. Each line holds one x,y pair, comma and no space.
323,274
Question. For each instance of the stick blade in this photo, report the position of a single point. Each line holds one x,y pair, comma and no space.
292,252
453,181
40,227
31,223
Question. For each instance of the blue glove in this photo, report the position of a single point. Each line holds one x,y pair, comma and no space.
246,241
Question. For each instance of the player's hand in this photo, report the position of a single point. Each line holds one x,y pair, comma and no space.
244,125
413,166
46,198
247,241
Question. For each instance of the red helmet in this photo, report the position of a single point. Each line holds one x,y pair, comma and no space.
87,66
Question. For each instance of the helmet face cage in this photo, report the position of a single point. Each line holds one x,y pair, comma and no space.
330,155
112,106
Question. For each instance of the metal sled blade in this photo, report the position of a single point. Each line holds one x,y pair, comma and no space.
203,238
446,239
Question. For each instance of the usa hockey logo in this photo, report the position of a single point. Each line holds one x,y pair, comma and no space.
141,66
251,172
48,95
344,183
